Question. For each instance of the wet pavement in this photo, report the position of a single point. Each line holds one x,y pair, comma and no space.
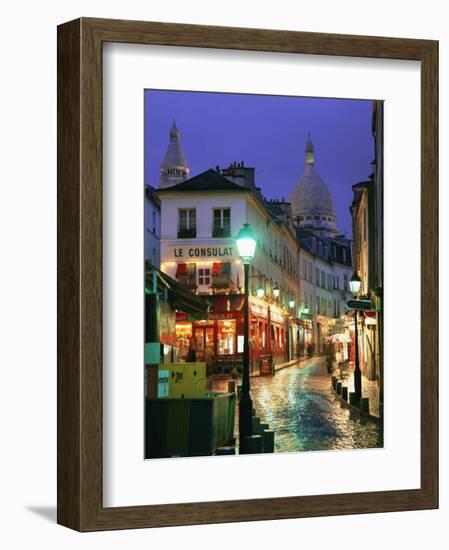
300,407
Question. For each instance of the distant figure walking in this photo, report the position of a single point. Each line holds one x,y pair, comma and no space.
191,354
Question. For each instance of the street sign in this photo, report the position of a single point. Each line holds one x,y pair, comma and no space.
361,305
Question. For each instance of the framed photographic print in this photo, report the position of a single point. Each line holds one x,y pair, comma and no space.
247,287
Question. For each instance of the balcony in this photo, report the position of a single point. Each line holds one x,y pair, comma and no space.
221,282
187,233
187,280
221,232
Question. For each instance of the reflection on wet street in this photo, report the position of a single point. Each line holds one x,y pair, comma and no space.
300,407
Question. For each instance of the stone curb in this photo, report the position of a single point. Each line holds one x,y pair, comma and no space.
376,419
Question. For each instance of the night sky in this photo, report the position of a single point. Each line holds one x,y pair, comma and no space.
268,133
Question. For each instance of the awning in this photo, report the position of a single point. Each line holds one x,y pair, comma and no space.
179,296
185,270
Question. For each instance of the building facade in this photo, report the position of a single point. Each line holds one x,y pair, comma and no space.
200,220
327,262
152,227
367,219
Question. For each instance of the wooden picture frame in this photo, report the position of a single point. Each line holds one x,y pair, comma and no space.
80,504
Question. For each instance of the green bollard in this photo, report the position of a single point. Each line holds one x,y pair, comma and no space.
256,424
253,445
268,441
364,404
225,451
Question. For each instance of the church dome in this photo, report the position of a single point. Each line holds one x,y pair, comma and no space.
311,199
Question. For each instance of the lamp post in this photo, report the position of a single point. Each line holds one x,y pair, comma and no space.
291,305
354,285
246,244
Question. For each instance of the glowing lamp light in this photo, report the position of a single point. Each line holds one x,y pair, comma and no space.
260,292
276,291
291,304
246,243
355,283
306,310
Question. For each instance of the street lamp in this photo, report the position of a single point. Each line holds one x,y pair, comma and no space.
354,285
260,292
291,305
246,245
276,291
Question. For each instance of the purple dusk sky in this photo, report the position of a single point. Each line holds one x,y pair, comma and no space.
268,133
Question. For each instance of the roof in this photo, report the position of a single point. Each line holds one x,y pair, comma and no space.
150,194
210,180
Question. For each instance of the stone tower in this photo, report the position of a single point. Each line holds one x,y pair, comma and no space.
174,168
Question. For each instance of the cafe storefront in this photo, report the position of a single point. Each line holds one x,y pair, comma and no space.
218,340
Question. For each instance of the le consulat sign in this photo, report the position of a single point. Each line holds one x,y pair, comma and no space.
203,252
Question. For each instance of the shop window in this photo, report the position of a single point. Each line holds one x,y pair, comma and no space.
183,338
240,343
262,335
226,337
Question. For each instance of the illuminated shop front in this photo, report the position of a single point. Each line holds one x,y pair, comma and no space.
305,328
218,340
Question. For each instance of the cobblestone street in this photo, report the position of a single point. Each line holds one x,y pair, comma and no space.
300,407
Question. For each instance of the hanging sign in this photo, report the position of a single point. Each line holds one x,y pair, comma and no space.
360,305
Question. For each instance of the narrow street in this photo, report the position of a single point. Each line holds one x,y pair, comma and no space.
300,407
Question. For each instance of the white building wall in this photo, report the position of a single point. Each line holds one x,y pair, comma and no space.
152,233
204,204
